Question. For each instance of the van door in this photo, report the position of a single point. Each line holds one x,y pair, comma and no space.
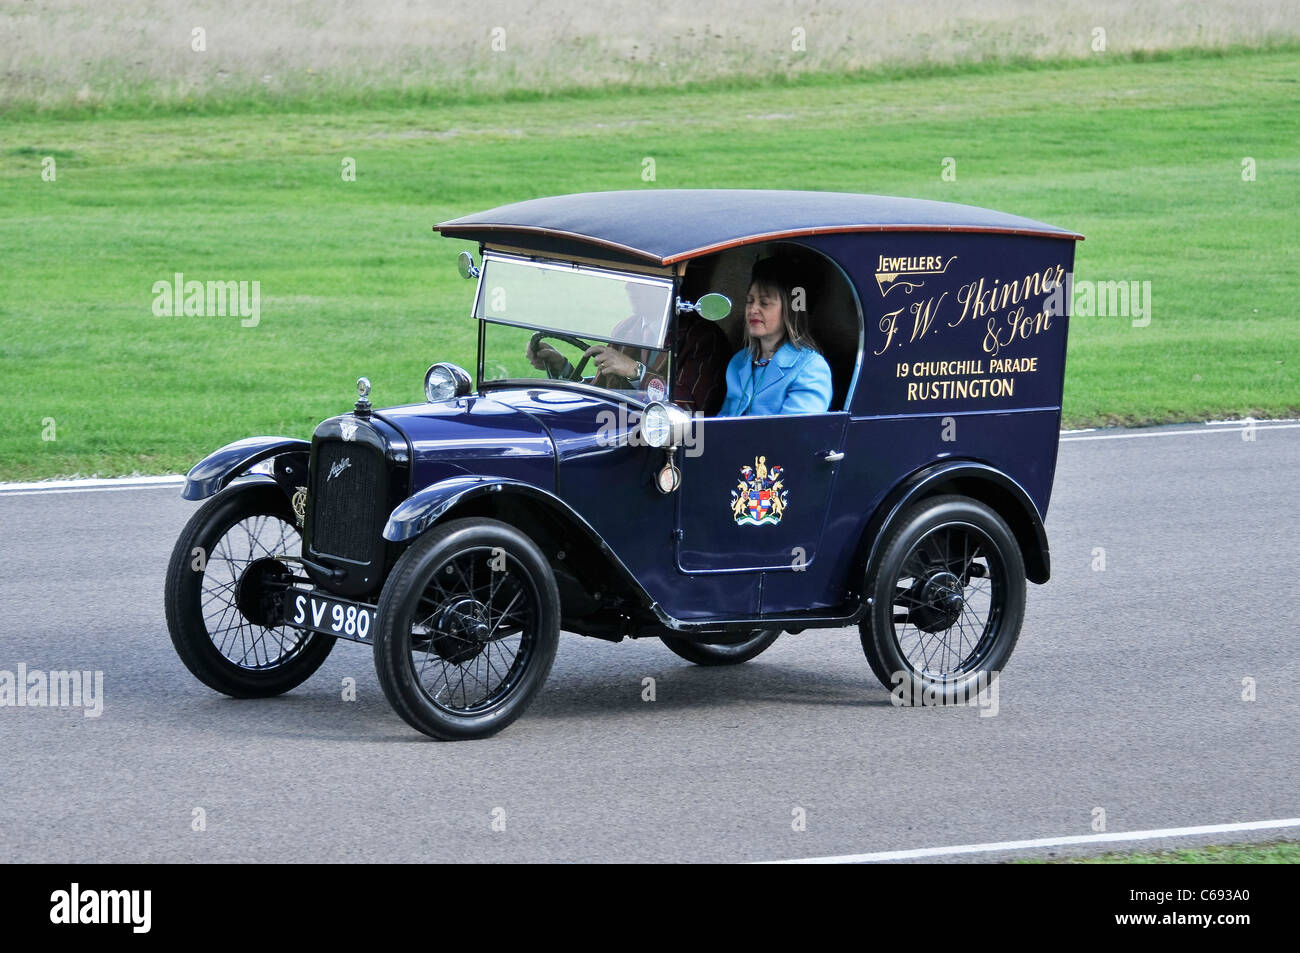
755,492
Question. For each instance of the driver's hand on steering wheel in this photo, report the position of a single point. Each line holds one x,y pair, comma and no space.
612,361
545,358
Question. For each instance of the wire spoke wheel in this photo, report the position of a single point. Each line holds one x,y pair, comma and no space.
225,585
468,624
243,556
948,600
479,627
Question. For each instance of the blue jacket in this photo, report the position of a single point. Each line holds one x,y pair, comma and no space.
797,381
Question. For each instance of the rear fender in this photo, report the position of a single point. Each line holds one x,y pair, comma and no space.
967,478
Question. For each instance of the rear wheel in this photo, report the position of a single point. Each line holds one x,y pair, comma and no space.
468,625
948,601
224,585
733,654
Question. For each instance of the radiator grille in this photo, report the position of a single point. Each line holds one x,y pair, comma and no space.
349,493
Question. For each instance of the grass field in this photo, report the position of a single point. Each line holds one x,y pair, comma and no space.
1145,158
146,56
1277,852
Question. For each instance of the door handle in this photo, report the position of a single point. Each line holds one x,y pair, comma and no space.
833,456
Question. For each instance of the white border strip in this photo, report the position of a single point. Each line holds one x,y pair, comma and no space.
1235,428
1039,842
1241,420
83,485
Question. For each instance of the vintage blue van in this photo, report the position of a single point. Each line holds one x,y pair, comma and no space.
580,478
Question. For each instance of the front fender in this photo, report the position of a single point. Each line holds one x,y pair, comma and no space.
421,510
218,468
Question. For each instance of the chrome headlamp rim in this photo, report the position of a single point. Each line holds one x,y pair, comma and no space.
664,425
446,381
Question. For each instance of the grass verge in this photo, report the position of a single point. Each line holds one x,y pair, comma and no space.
1145,158
1277,852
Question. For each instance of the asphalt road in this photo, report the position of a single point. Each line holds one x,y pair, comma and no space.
1124,694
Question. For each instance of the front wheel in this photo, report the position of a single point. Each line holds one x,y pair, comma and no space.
467,628
948,600
733,654
224,584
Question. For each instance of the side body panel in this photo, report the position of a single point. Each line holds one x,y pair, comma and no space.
967,327
964,359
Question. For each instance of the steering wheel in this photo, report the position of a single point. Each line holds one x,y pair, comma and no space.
576,373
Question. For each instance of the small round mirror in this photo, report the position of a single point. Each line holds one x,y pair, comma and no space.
714,306
465,265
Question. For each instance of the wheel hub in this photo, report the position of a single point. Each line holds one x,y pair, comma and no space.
941,603
259,594
462,631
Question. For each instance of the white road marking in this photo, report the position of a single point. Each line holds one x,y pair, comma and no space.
1040,842
1176,433
4,494
1238,422
91,483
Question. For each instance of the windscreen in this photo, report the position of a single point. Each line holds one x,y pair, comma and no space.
585,302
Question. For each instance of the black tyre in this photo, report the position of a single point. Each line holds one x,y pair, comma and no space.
467,629
221,596
733,654
949,599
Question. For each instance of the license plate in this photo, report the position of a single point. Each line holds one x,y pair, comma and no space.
322,613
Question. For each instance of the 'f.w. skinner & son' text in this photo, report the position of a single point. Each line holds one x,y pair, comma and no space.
1001,306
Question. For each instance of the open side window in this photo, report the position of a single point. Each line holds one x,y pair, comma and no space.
834,313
